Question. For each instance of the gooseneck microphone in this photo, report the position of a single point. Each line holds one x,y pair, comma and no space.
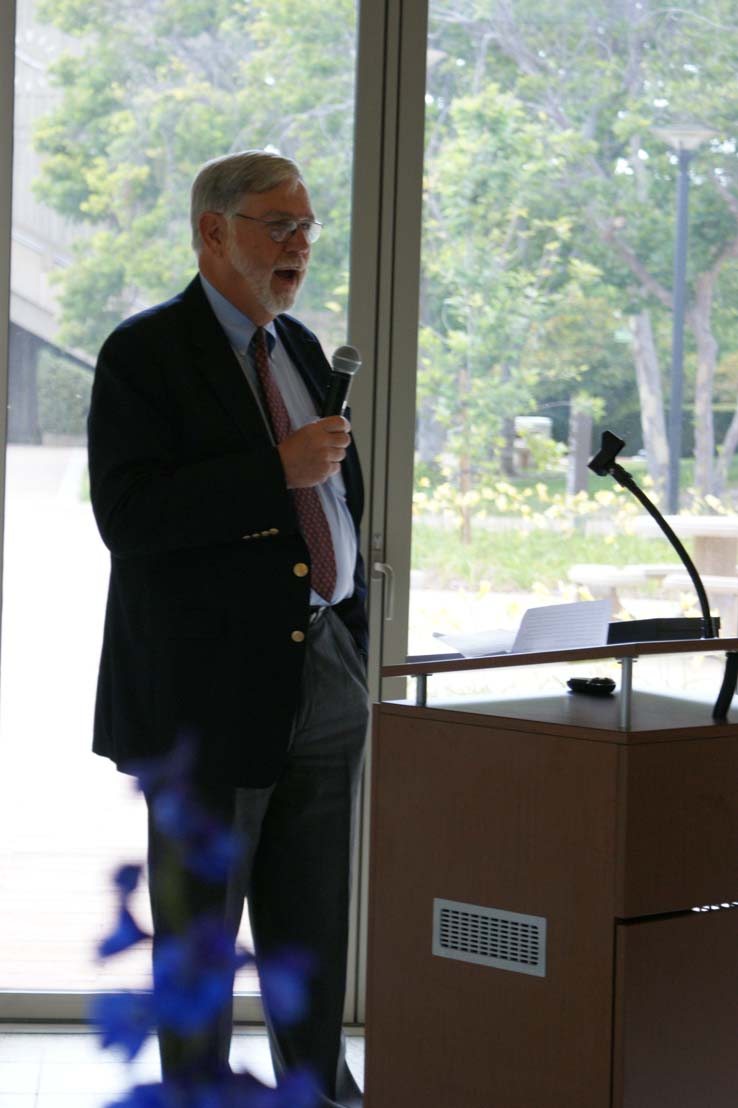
346,360
603,464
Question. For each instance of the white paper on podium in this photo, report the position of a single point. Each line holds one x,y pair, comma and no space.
550,627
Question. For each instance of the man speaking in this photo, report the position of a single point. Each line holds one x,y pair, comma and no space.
235,614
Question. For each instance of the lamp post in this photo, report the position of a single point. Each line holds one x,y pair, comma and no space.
685,138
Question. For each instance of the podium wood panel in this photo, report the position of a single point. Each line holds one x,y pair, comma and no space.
678,825
567,819
489,817
676,1018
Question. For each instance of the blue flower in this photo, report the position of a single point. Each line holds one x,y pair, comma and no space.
126,878
209,848
284,980
208,845
194,972
123,1019
243,1090
127,933
193,975
297,1089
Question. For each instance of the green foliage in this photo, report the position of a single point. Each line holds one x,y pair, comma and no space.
560,104
495,271
63,395
155,89
549,196
550,203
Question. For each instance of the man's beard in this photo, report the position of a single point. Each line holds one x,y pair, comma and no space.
259,281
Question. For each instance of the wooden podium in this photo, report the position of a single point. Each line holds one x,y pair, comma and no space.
553,912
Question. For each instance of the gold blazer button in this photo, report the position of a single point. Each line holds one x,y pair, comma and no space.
298,636
300,569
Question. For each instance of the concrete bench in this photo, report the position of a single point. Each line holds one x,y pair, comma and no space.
655,571
714,583
604,580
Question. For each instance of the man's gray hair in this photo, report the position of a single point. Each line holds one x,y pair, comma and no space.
220,184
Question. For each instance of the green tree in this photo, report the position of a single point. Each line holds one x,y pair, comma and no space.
150,92
497,268
598,80
549,196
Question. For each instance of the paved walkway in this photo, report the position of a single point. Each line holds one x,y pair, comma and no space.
66,817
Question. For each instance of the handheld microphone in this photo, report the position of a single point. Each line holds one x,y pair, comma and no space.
346,360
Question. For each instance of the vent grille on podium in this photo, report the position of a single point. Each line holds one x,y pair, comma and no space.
489,937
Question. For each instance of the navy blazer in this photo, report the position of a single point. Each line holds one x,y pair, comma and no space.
206,610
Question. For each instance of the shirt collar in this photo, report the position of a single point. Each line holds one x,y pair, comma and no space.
238,327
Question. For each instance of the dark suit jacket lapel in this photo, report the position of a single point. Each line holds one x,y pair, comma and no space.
214,358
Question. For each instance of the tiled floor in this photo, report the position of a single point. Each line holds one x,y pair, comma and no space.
65,1067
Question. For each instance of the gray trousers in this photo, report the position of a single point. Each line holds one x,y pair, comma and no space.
293,868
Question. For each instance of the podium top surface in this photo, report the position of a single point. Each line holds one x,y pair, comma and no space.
654,718
444,663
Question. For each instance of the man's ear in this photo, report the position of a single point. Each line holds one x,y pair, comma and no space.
212,232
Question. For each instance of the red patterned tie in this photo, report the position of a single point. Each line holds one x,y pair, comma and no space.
312,519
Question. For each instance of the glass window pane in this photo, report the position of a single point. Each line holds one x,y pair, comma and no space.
116,107
547,296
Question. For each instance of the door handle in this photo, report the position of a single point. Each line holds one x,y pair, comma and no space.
383,569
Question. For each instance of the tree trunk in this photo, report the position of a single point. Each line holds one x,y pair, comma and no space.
651,396
465,485
580,448
507,452
465,464
728,449
707,351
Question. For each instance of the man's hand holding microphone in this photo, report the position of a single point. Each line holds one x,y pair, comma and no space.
314,452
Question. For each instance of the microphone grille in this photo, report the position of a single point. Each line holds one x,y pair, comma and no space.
346,359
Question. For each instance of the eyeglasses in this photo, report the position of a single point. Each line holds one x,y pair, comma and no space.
281,230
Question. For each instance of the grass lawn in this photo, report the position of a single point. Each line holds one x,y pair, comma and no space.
512,559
